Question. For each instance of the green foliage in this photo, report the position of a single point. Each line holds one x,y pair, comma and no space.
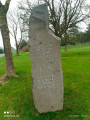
23,43
16,95
73,37
86,35
1,51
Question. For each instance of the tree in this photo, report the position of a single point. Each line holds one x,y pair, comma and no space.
6,40
23,43
1,51
86,35
15,27
73,36
25,12
65,14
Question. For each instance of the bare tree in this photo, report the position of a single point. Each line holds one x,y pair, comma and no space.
15,27
65,14
25,12
6,40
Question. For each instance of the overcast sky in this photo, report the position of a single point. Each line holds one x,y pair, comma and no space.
13,4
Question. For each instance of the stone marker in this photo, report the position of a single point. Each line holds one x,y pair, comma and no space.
46,68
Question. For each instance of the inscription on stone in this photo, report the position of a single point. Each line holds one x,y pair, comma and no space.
43,53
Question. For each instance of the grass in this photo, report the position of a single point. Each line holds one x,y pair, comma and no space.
16,95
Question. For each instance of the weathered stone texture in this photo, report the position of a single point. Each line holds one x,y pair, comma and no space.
46,68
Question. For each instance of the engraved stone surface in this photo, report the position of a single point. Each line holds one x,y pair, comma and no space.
46,68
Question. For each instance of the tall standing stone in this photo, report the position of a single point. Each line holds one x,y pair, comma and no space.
46,68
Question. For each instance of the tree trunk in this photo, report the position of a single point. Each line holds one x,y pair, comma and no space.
17,52
65,47
7,49
17,48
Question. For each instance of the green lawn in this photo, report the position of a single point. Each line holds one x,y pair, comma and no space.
16,95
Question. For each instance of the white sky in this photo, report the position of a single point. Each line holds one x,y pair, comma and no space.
13,4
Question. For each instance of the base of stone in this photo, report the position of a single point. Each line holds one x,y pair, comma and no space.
52,109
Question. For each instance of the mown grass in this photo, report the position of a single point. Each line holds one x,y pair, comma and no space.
16,95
